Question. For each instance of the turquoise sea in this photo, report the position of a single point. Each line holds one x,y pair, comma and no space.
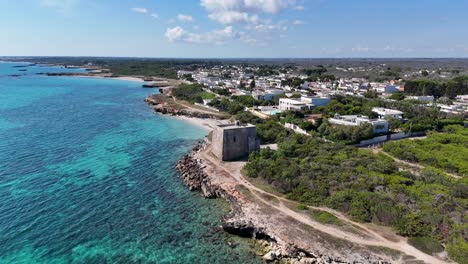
87,176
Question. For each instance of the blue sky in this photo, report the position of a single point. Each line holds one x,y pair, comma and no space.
234,28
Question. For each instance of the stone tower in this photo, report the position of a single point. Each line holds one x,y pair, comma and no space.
234,141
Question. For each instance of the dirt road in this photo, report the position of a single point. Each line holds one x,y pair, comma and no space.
371,238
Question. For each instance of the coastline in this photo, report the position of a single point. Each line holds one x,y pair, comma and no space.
204,123
285,233
128,78
249,216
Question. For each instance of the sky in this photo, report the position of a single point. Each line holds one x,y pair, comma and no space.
234,28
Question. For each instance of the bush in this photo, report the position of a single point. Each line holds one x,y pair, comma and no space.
302,206
426,244
325,217
412,225
192,93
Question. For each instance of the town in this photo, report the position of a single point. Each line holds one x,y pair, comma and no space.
311,101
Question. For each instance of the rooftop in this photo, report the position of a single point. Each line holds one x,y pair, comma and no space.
235,126
386,111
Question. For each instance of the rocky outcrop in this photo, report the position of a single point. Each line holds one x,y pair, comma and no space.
197,174
194,177
192,173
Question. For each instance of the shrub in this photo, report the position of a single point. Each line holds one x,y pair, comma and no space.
426,244
302,206
325,217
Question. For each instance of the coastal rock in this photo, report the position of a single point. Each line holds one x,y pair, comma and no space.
240,222
270,256
194,177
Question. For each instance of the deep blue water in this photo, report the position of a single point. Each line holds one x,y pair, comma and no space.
87,176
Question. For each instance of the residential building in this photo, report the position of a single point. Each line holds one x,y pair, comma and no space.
387,113
287,104
266,95
315,101
379,125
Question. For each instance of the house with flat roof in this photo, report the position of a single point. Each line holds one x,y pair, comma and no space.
379,125
315,100
288,104
234,141
387,113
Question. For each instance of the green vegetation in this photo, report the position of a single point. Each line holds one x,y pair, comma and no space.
301,206
207,96
145,68
397,96
426,244
368,188
346,134
448,150
225,105
325,217
192,93
458,245
271,132
450,89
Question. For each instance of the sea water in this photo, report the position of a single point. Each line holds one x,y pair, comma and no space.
87,176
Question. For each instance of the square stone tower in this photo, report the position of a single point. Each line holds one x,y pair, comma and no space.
234,141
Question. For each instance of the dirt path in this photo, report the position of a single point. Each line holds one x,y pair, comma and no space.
372,238
195,109
410,164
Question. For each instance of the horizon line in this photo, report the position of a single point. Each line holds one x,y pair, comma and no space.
231,58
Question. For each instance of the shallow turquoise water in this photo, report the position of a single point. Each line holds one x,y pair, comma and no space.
87,176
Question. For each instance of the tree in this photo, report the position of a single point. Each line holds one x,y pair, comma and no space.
397,96
252,84
425,73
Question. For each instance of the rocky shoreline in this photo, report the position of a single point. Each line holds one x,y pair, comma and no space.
193,171
194,177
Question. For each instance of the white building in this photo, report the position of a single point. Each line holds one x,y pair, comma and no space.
287,104
315,100
462,99
379,125
387,113
452,109
266,95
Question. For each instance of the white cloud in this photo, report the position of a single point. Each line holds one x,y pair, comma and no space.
299,7
140,10
298,22
243,11
178,34
249,6
154,15
268,27
231,17
184,18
